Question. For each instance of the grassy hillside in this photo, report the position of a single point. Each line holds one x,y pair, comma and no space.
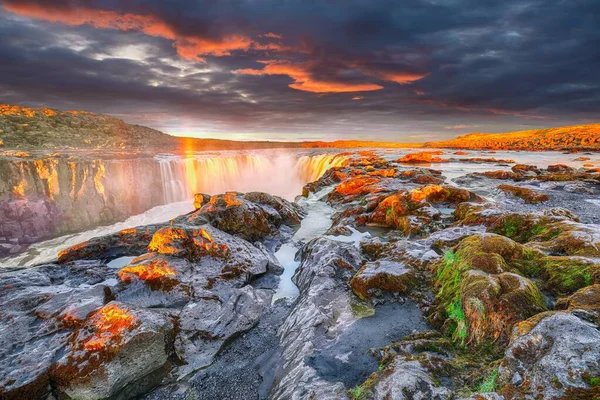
582,137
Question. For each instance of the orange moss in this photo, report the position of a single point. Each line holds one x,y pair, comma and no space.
146,272
167,240
109,322
200,199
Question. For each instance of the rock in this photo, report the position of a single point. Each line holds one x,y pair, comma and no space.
39,307
523,169
117,345
128,242
480,160
322,308
570,238
505,175
73,307
289,212
478,300
155,280
423,157
530,196
553,356
354,187
382,275
561,212
587,298
207,324
560,168
253,216
187,242
406,379
216,258
332,176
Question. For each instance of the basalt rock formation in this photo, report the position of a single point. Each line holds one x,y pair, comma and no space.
418,289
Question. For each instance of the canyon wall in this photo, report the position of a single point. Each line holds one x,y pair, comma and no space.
55,195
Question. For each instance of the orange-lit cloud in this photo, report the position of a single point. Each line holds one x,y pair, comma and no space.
188,47
357,98
304,80
400,77
196,47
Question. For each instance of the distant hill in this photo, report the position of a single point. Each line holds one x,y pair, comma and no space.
580,137
25,128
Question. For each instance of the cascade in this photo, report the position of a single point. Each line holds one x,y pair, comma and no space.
282,175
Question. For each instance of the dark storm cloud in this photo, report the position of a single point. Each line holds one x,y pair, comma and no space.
371,69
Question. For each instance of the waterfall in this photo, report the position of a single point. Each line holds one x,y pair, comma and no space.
279,174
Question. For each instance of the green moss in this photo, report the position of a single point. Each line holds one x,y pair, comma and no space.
362,309
358,393
510,230
458,328
489,382
566,275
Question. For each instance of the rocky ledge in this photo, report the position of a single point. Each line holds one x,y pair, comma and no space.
418,290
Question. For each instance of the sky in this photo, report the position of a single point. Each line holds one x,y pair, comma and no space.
406,71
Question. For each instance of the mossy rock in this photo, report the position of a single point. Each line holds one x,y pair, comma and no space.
587,298
565,275
479,296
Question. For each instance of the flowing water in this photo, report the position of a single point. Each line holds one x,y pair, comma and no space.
279,173
315,223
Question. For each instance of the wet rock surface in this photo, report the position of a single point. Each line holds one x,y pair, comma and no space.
423,287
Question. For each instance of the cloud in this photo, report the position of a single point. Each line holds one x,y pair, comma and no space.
304,79
188,46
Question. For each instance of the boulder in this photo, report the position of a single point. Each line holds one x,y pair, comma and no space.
206,324
404,379
478,299
552,356
155,280
528,195
253,216
128,242
322,308
382,275
117,345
